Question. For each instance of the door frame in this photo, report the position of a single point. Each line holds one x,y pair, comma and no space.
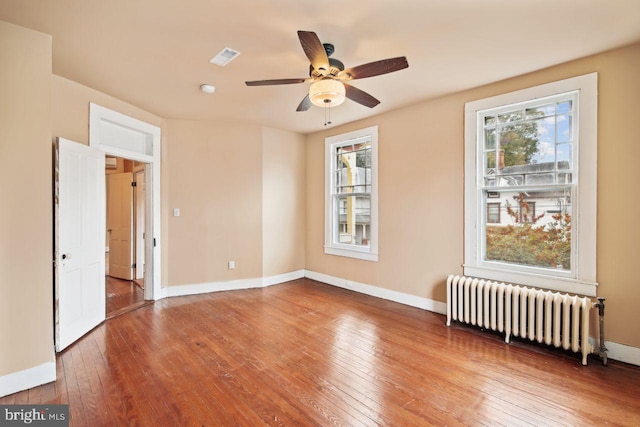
119,135
138,178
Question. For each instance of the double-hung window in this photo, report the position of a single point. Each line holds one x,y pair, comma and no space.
530,186
351,203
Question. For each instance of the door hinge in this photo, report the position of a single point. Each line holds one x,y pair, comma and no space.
134,184
154,242
133,265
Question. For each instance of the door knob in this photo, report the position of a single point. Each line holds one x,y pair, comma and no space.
66,256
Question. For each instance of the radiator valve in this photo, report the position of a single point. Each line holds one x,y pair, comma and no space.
602,350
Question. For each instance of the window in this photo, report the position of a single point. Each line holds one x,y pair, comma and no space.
493,213
351,203
530,186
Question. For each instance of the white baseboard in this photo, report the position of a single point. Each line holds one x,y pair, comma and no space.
23,380
620,352
399,297
232,285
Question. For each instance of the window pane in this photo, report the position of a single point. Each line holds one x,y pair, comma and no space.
563,107
490,162
490,121
353,220
534,229
353,168
539,178
563,156
512,116
490,139
519,142
541,111
564,128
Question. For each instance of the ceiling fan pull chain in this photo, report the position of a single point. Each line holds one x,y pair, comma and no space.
327,113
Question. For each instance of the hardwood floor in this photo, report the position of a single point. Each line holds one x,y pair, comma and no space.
304,353
123,296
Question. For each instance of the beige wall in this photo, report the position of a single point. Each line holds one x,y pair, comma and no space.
283,202
26,281
421,190
215,179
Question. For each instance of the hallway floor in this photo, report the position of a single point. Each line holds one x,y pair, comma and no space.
123,296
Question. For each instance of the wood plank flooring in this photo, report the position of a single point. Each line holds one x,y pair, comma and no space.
308,354
123,296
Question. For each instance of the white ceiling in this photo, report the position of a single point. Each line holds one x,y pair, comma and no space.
155,53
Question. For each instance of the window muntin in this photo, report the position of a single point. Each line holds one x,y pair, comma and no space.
351,200
534,151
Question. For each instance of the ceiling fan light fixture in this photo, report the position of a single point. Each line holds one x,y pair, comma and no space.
327,93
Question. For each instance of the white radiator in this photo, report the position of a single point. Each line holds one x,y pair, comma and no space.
547,317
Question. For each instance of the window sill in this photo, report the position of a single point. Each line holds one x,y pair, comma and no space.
351,253
560,284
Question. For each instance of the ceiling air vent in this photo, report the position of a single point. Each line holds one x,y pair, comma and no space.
225,56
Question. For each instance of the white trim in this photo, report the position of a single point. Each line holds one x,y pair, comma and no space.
583,280
98,118
282,278
374,291
620,352
365,253
232,285
559,284
24,380
352,253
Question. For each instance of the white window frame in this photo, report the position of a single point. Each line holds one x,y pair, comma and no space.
582,279
369,253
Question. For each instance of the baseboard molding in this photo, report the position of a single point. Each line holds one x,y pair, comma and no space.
232,285
23,380
620,352
399,297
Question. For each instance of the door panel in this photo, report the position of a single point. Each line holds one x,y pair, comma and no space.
79,241
120,226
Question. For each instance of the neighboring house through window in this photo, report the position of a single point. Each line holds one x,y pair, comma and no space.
351,203
493,213
530,186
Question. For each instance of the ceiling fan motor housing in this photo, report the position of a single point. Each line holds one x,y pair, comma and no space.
335,66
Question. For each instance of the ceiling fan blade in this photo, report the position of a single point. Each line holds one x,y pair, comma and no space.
314,50
360,96
375,68
275,82
305,104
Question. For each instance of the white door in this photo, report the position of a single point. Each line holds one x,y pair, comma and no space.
120,225
79,241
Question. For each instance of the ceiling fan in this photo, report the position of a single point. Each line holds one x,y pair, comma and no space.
328,76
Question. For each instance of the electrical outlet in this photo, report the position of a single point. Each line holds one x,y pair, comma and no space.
176,211
232,265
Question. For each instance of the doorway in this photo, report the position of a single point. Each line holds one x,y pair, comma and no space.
125,234
80,178
119,135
